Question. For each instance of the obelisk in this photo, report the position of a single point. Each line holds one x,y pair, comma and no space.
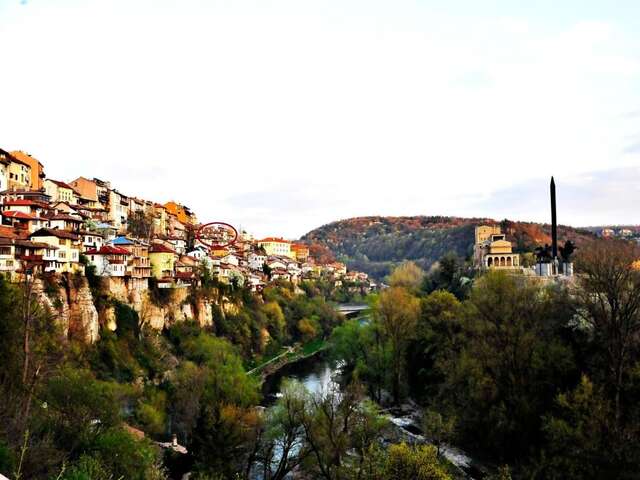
554,225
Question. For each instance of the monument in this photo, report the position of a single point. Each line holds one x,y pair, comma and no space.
548,262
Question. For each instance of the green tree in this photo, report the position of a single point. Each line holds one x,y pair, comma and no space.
609,301
396,313
580,437
407,275
509,366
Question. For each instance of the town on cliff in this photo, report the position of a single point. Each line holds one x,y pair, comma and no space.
87,227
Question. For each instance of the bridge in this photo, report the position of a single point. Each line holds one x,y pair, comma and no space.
351,310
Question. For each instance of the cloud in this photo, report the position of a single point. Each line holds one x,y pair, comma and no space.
285,115
599,197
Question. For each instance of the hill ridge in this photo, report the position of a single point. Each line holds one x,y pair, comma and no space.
375,244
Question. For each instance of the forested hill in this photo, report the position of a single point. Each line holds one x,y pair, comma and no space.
376,244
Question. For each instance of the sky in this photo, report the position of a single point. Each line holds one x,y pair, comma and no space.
281,116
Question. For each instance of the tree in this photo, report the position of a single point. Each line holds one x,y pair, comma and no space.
413,463
407,275
609,301
438,333
281,445
579,435
335,424
448,274
140,224
508,366
397,313
439,429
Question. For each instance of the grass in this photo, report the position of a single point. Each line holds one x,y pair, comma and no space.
313,346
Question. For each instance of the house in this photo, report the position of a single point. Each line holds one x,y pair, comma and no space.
35,257
160,224
37,169
162,260
91,193
182,213
118,210
280,274
23,221
231,259
63,221
201,255
178,243
90,240
68,246
256,260
255,282
4,173
276,246
60,191
109,261
274,263
107,230
8,262
300,252
30,207
17,172
186,270
20,256
139,265
34,195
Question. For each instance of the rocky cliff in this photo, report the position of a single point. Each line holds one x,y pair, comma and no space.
72,305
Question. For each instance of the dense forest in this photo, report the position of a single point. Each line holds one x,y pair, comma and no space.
540,378
376,245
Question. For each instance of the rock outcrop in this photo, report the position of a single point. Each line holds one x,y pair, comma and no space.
83,316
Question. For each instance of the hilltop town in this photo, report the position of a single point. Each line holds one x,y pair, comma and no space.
87,225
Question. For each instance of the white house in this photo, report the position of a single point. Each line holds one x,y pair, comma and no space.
64,221
256,261
109,261
91,240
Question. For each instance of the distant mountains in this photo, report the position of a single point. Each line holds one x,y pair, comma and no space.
375,245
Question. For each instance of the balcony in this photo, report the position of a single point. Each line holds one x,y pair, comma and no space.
30,258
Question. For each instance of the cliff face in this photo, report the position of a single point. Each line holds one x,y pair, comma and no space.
70,301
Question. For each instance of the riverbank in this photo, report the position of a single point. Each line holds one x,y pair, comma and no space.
291,354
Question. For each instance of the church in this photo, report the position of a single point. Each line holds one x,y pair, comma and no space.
493,250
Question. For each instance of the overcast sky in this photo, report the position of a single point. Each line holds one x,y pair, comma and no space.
281,116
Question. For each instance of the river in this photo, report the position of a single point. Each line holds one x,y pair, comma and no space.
319,373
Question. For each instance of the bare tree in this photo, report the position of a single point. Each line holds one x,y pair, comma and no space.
609,298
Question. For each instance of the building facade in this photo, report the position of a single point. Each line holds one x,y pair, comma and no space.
493,250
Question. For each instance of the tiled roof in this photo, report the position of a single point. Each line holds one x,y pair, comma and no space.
160,248
108,250
62,216
61,184
20,215
25,203
29,244
7,232
274,239
54,232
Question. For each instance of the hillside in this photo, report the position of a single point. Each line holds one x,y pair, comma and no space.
376,244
